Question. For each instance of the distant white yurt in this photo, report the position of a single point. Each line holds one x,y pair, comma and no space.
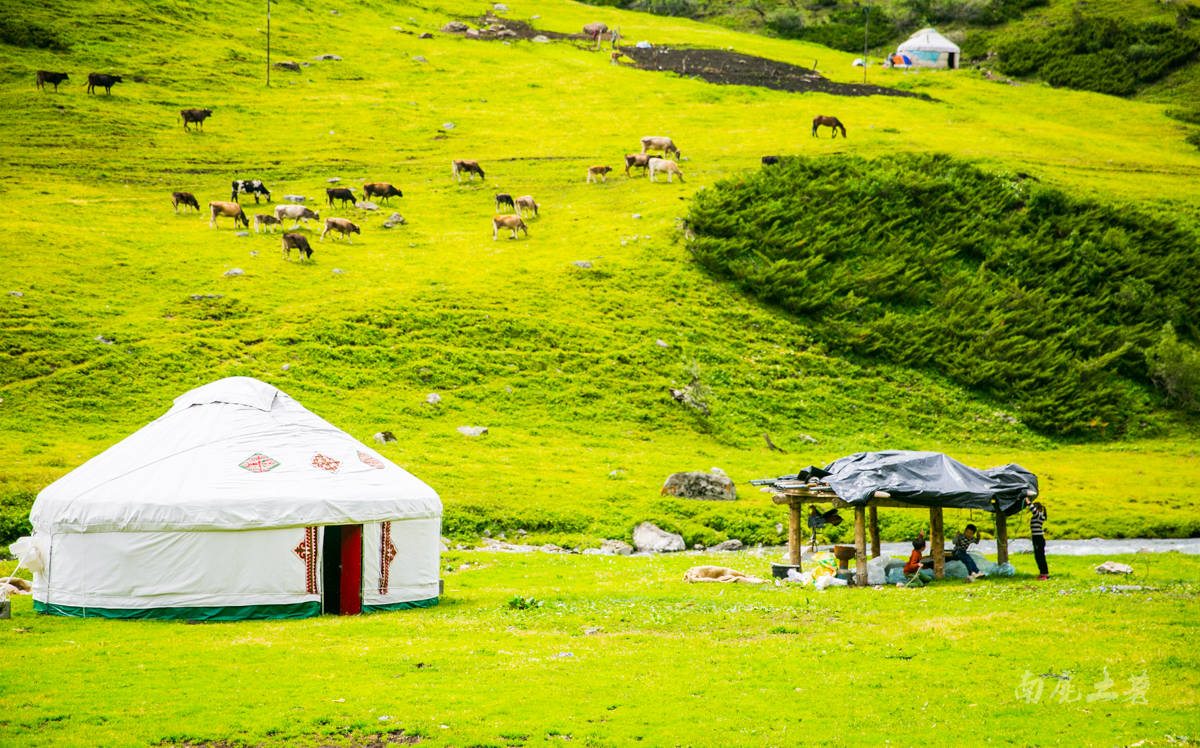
237,503
929,49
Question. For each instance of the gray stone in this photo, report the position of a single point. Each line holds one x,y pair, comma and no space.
333,180
242,233
425,35
472,32
254,253
540,39
649,538
582,264
295,198
806,439
338,271
500,7
447,125
455,27
472,430
662,343
287,65
234,272
615,548
697,485
366,205
733,544
396,219
420,58
285,367
334,58
1113,567
18,294
433,398
103,340
637,215
506,33
199,296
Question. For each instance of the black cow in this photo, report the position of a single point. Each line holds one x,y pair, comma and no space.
45,76
340,193
185,199
768,160
102,79
249,187
194,115
502,199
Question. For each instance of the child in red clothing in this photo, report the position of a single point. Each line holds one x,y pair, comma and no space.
913,569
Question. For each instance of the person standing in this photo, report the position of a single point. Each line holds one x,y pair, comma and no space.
1037,518
962,541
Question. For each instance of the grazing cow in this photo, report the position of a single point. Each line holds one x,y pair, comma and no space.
344,194
297,242
833,123
666,165
470,168
45,76
270,222
228,210
503,198
102,79
185,199
249,187
512,223
656,143
526,203
297,213
637,160
381,190
769,160
194,115
342,226
598,173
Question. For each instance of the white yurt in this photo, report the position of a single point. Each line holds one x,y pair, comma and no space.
929,49
237,503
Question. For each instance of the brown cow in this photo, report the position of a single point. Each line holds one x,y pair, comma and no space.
598,173
459,167
340,193
637,160
270,222
227,210
664,165
526,203
512,223
660,143
185,199
298,242
342,226
381,190
194,115
45,76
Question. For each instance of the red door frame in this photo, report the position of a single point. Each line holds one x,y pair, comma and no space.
350,588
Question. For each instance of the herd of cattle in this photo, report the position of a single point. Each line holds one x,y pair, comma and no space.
519,208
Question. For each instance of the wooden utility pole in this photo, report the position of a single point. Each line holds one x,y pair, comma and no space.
866,36
268,43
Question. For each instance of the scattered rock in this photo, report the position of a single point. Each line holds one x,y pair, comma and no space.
199,296
455,27
338,271
383,437
637,215
582,264
447,125
696,485
366,205
334,58
234,272
540,39
617,474
242,233
396,219
334,13
649,538
254,253
615,548
433,398
285,367
420,58
1144,549
590,630
500,7
1005,417
698,547
307,65
1113,567
333,180
295,198
287,65
506,33
472,430
18,294
806,439
472,32
733,544
103,340
425,35
662,344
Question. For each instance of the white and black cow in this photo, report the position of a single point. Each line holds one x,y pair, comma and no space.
249,187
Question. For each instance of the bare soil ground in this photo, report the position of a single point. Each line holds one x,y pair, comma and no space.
718,66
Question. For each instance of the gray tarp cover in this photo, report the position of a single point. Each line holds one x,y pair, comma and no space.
929,479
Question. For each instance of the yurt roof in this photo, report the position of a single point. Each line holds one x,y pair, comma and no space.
235,454
928,40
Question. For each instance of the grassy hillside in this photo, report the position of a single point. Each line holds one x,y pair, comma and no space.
115,313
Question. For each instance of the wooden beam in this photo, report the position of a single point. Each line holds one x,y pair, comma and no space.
937,542
873,514
860,546
795,542
1001,538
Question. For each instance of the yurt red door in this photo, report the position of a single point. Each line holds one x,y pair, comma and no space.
342,570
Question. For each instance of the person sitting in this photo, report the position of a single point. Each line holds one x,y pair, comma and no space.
962,540
913,569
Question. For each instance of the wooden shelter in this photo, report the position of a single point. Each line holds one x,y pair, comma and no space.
797,493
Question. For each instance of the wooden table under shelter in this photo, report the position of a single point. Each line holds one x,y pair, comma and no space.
797,493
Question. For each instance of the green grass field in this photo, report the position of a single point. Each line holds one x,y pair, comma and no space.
621,651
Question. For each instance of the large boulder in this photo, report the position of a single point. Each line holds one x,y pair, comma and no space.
649,538
714,486
455,27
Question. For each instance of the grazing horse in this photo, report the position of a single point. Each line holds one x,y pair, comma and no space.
832,123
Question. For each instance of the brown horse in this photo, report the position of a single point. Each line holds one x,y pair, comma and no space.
832,123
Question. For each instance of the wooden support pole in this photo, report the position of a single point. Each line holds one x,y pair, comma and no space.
795,543
1001,538
873,514
860,546
937,542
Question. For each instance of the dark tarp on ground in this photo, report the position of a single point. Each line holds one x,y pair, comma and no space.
927,479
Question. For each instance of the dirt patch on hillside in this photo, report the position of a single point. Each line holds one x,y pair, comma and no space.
718,66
